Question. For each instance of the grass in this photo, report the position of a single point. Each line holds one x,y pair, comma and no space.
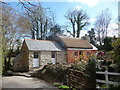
63,87
60,86
111,87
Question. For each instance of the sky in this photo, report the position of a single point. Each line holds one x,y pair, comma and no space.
92,7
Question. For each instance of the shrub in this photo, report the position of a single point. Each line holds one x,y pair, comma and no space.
116,50
91,70
80,65
58,72
54,72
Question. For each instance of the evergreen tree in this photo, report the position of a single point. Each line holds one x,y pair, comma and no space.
91,34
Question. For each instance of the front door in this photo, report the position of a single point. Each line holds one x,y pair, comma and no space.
53,57
36,60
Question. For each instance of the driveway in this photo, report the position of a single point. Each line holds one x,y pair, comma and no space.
24,82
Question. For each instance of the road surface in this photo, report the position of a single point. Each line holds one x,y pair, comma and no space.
24,82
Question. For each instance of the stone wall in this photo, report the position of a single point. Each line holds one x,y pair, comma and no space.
17,63
20,63
24,61
45,58
31,57
61,57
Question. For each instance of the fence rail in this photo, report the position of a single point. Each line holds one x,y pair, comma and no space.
106,81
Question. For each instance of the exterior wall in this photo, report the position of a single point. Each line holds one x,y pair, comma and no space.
88,53
45,57
85,55
61,57
31,57
70,56
20,62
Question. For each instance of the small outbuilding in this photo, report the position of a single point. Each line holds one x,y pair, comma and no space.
35,53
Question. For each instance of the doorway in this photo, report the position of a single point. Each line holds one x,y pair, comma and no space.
53,57
36,59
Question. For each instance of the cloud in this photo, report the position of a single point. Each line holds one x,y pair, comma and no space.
109,0
90,3
83,32
113,29
78,7
92,20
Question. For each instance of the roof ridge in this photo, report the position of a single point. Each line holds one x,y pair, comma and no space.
36,40
70,37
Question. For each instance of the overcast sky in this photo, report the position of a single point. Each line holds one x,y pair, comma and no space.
92,7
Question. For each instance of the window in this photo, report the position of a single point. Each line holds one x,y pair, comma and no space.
75,54
35,54
53,54
81,55
88,53
80,52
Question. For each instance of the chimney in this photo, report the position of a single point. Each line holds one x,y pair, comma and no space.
86,37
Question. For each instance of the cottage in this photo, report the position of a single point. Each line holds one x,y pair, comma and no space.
36,53
76,48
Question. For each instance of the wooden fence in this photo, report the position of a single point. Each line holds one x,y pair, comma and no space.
77,79
106,81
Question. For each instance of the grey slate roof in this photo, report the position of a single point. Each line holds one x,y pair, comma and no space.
42,45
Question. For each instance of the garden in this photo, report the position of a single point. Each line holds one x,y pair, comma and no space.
81,72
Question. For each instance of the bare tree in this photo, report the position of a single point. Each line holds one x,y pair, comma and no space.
81,20
39,20
78,19
23,23
70,16
11,31
53,19
101,25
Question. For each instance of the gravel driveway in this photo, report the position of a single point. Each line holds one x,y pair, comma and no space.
24,82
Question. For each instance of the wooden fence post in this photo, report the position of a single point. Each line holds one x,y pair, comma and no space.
106,78
106,81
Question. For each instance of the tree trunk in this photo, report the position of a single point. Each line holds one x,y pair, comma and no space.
33,34
41,32
73,30
78,30
8,63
